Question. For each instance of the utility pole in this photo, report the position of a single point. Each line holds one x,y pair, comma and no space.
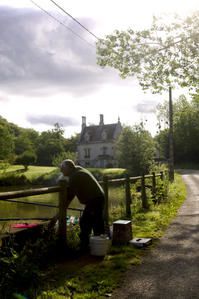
171,139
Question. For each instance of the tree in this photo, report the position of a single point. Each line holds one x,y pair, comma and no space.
62,156
50,144
23,143
26,159
162,144
163,55
71,143
135,150
186,129
6,143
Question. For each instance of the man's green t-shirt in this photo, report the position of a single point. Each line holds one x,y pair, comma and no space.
83,185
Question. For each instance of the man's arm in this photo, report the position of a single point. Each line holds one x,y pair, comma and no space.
70,196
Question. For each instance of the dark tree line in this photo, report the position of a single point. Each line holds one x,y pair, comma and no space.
27,146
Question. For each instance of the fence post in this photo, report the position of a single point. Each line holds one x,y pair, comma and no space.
106,207
62,213
143,194
162,175
128,197
153,184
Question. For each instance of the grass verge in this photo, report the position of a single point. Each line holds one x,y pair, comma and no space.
90,278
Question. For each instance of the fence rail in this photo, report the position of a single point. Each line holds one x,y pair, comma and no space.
61,189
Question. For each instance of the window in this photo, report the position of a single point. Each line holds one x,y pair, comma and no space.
104,150
104,135
87,153
87,137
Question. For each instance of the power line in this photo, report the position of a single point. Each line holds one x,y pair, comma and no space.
74,19
61,23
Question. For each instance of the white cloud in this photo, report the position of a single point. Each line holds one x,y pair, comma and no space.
47,71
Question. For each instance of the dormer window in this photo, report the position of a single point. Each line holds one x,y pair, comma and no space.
87,137
104,135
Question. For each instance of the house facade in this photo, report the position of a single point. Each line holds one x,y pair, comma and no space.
96,147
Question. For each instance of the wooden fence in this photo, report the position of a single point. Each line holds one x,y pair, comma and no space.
61,189
128,197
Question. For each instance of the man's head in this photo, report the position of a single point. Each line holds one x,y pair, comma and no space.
67,167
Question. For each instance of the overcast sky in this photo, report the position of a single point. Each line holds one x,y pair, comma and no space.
48,74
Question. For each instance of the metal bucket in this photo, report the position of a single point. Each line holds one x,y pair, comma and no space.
99,245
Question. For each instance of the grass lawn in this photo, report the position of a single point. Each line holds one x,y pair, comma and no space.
31,174
35,171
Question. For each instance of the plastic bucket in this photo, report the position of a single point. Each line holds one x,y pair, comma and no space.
99,245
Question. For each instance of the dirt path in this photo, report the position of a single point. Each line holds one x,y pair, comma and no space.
171,270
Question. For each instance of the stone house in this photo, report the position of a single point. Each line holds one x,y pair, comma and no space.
96,146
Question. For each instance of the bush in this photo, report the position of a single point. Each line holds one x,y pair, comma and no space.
113,173
20,270
64,155
13,180
4,165
26,159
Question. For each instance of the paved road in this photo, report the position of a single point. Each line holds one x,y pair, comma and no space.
171,270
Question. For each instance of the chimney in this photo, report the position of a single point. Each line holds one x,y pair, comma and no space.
101,120
83,122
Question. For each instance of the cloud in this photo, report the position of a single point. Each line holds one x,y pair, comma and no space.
4,98
146,107
50,120
39,56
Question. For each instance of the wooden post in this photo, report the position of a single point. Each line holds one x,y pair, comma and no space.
143,194
128,197
171,138
62,213
106,207
162,175
153,184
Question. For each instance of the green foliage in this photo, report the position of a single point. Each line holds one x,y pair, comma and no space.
99,173
62,156
71,143
47,146
166,54
26,158
20,269
51,144
26,141
73,240
153,222
16,175
98,279
89,277
136,150
6,143
186,130
4,165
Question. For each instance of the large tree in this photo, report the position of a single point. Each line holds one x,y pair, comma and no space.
6,143
50,144
186,129
161,57
135,150
166,54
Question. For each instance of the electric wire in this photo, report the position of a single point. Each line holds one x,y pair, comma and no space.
74,19
91,33
61,23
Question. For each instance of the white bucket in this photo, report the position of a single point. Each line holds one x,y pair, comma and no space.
99,245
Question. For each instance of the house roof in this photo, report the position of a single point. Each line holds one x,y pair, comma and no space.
95,133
